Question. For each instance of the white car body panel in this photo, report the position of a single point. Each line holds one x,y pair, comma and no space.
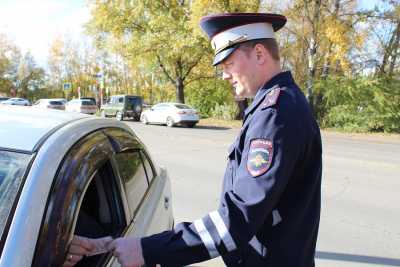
20,244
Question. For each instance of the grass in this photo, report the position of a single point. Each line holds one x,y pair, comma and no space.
213,122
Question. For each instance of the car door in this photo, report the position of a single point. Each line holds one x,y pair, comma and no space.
148,193
150,114
112,107
159,113
86,199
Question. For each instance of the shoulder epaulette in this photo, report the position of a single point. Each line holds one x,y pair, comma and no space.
271,98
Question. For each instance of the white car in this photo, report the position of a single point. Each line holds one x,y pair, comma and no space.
65,174
3,98
17,102
49,104
81,106
170,114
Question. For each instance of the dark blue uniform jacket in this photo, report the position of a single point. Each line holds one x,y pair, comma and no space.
270,203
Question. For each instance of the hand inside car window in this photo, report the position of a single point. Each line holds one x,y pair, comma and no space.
85,247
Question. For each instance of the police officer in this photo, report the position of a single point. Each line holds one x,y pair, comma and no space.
270,203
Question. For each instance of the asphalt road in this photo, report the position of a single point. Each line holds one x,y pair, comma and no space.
360,220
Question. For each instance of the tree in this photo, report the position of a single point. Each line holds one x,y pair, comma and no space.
389,44
319,35
9,59
156,32
29,77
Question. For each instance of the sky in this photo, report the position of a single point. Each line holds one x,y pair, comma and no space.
33,24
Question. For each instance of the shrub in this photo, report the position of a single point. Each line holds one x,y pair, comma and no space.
360,104
224,111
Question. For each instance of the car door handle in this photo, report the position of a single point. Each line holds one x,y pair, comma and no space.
166,202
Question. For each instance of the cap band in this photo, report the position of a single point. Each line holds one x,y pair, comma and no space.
240,34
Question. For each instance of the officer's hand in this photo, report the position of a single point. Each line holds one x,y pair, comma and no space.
128,251
79,247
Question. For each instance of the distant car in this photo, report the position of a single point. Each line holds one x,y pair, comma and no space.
74,174
81,106
3,99
171,114
49,104
17,101
89,98
122,107
63,100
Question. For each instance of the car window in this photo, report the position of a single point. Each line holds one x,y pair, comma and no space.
86,198
98,216
12,169
87,103
55,103
133,175
181,106
120,100
134,100
148,166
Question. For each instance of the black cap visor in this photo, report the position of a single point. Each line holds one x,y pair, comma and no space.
224,54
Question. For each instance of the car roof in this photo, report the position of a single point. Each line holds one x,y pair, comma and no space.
23,128
172,103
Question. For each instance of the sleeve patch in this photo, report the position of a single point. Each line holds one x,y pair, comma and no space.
259,156
271,98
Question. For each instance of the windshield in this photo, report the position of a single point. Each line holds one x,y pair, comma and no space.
59,103
87,103
181,106
12,169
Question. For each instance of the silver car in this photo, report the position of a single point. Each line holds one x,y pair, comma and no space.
63,174
170,114
17,101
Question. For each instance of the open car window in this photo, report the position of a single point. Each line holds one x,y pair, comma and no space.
100,212
86,198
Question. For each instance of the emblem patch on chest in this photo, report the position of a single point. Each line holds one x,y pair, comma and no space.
260,156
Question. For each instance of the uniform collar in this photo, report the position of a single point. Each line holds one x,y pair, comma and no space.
282,78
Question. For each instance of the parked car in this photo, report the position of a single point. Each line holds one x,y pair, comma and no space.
82,106
49,104
89,98
63,100
17,101
74,174
170,114
3,99
123,106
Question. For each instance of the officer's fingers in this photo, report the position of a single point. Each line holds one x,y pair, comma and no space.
78,241
75,259
87,243
72,260
102,242
113,245
78,250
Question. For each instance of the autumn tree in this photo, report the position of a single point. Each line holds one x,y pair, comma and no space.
389,40
320,36
10,56
29,75
156,32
